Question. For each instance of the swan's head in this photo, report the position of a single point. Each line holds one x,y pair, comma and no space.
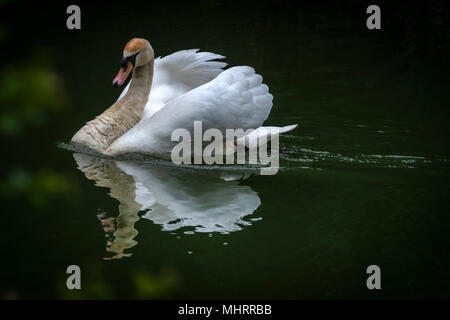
137,52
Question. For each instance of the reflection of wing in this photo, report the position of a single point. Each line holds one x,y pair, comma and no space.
179,73
236,98
174,198
203,201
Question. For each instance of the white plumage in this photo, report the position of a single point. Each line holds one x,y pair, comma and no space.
188,86
179,73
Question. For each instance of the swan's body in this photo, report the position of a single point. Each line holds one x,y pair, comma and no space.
172,92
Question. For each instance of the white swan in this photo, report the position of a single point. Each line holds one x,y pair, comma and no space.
172,92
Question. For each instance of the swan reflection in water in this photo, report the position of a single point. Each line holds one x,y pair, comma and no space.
200,200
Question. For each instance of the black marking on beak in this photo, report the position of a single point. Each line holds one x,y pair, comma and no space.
116,84
124,64
124,61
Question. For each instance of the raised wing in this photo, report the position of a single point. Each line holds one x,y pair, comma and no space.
178,73
188,67
236,99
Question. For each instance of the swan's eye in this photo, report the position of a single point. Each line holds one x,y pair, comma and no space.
132,59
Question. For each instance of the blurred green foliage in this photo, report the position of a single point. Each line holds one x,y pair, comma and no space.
38,189
29,95
141,284
150,286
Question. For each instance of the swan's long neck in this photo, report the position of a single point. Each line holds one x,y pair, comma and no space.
121,116
140,86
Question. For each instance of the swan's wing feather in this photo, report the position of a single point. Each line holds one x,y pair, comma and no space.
236,99
189,67
182,71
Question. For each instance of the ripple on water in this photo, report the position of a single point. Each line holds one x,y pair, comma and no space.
293,156
319,158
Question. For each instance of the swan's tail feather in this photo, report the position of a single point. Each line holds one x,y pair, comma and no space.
252,138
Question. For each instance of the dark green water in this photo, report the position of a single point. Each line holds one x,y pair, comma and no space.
366,181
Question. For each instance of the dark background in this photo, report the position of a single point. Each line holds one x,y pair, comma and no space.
325,70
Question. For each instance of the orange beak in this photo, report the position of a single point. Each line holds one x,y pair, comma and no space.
122,75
